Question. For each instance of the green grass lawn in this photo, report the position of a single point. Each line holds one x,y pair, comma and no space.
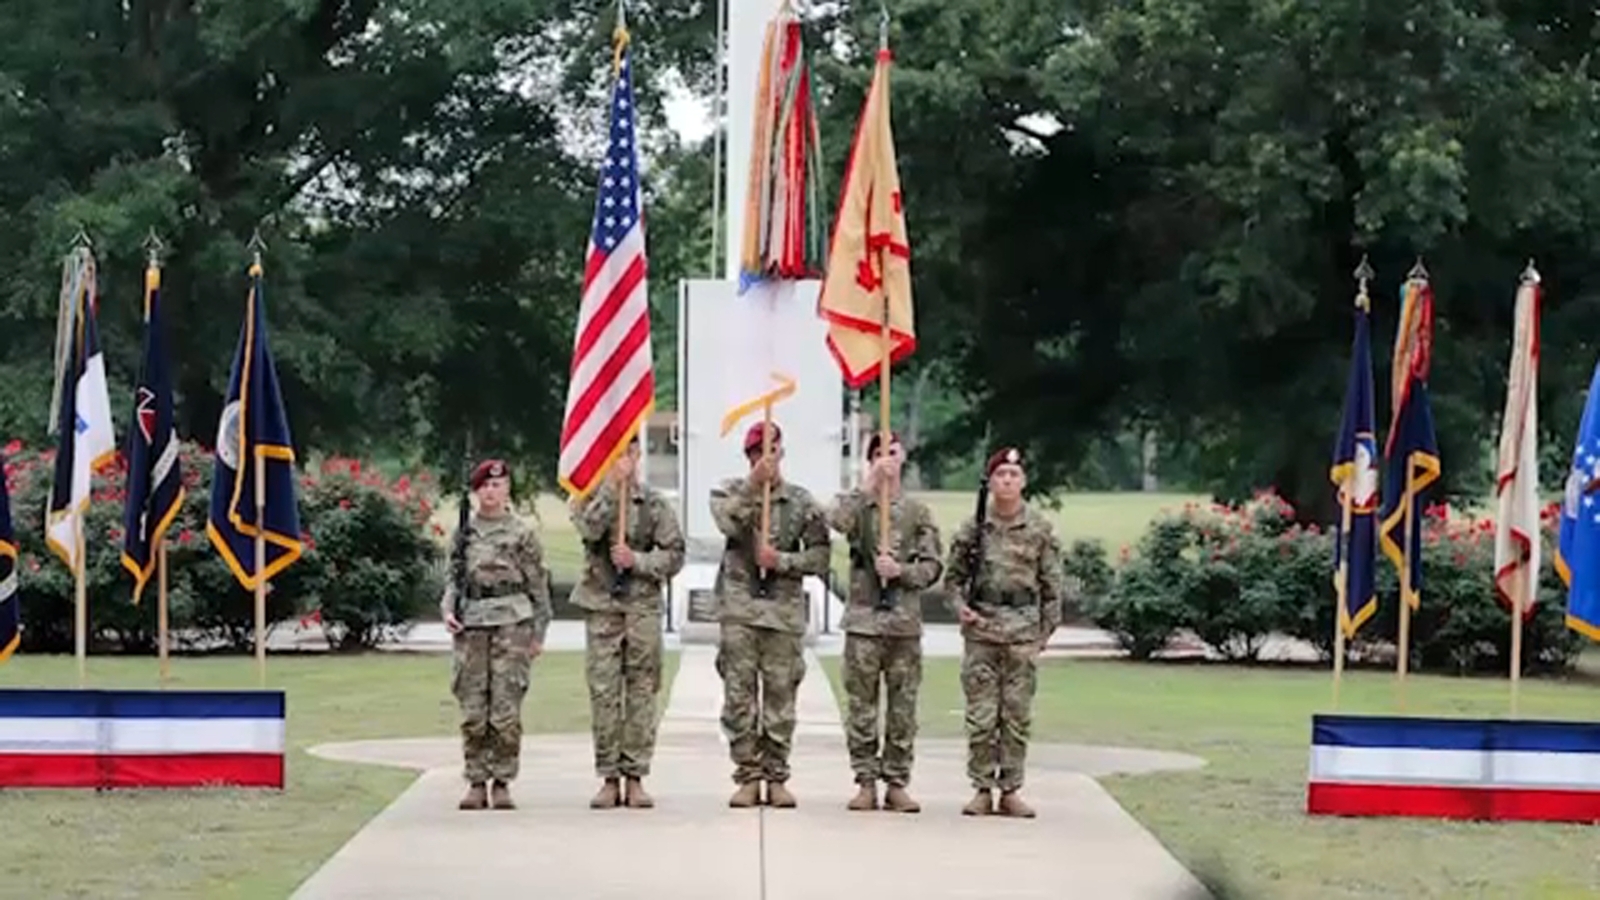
239,843
1114,518
1242,818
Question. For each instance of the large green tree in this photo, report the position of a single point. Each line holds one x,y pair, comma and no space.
422,172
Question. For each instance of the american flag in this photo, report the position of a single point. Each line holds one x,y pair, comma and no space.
612,389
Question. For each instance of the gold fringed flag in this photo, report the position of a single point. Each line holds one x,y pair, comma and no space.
869,261
782,234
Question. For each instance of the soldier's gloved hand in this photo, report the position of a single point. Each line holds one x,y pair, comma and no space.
887,567
622,556
766,557
451,623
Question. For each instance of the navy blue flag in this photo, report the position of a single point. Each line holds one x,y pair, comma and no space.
155,481
1355,474
1411,455
1578,551
10,608
254,432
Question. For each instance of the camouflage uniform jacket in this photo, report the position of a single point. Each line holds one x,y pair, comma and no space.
799,532
506,578
1021,583
654,536
914,543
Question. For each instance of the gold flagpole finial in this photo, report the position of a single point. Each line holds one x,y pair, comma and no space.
1364,274
1418,272
619,37
257,246
1530,275
153,248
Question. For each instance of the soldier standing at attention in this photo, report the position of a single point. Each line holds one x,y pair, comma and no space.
499,627
621,592
1006,582
883,625
762,610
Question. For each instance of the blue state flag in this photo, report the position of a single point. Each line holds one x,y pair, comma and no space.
1411,454
1578,549
1355,474
155,481
254,432
10,610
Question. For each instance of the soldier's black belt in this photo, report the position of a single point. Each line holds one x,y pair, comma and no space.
495,592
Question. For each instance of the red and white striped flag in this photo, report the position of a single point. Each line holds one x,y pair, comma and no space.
1516,526
613,386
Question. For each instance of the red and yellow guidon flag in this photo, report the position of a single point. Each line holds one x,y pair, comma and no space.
869,259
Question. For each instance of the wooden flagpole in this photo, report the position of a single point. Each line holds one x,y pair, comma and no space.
884,348
81,607
1405,588
1521,596
161,609
766,486
1346,515
257,464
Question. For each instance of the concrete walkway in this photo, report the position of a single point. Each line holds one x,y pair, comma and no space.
693,847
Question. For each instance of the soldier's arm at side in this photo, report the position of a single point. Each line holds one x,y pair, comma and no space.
957,567
594,516
922,571
666,558
1052,584
813,559
846,507
538,581
731,509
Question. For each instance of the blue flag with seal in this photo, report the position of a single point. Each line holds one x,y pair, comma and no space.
1355,474
1578,545
253,482
10,610
1411,454
155,481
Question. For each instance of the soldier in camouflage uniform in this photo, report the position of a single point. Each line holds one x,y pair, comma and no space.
1008,608
499,628
621,592
762,610
883,626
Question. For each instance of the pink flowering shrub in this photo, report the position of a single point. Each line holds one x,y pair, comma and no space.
1233,575
376,571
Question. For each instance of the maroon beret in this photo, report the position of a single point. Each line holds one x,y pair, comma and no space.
752,438
877,436
1003,457
489,468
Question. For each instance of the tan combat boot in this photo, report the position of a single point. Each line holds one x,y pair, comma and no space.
866,798
500,796
1012,805
897,800
778,796
981,804
607,797
637,798
748,795
477,797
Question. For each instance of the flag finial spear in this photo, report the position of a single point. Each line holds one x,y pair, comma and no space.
1530,275
1363,275
1418,272
80,240
883,25
257,246
619,37
153,247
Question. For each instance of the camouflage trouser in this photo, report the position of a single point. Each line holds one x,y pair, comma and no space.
896,663
489,677
999,681
623,667
761,669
